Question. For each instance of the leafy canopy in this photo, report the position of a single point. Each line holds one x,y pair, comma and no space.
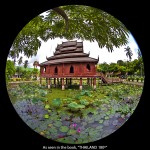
10,69
70,22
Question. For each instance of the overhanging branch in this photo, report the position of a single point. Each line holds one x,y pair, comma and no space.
63,14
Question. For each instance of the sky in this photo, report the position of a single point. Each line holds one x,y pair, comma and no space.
47,49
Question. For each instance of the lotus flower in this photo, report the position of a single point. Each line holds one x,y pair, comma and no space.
74,124
78,130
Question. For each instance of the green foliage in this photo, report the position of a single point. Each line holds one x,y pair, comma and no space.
84,102
84,23
85,92
58,123
47,106
71,132
64,129
43,93
10,69
56,102
46,116
26,63
75,107
88,123
130,67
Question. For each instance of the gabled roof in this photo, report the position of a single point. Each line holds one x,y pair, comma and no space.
69,60
67,52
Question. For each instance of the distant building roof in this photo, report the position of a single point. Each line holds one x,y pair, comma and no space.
68,52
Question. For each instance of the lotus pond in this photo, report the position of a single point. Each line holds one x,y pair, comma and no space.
73,116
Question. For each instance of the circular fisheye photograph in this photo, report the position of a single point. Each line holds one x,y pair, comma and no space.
74,74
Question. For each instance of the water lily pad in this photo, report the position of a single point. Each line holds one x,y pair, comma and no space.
56,102
99,127
115,122
50,125
71,132
53,130
46,116
117,115
49,111
84,123
64,129
47,106
42,133
101,121
106,123
106,117
57,123
76,119
108,113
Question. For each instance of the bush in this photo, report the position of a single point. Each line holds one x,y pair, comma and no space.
137,79
14,79
129,78
142,79
18,79
11,79
132,78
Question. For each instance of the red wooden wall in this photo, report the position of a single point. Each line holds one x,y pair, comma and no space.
80,69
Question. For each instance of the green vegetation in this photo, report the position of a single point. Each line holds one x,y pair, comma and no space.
10,70
75,116
134,67
70,22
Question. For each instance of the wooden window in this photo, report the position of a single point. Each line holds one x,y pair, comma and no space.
71,69
56,70
88,67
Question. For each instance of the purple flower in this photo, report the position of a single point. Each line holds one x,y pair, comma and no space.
78,130
74,124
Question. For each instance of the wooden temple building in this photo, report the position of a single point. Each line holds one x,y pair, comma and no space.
69,61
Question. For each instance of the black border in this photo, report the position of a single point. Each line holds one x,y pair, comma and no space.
14,15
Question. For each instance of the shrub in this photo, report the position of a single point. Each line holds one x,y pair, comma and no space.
14,79
137,79
11,79
129,78
18,79
142,79
132,78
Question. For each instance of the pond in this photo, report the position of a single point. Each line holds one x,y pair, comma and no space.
73,116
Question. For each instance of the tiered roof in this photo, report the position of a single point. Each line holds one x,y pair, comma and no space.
68,52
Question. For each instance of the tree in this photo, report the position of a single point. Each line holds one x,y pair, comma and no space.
72,21
128,52
120,62
10,69
113,67
27,74
35,73
19,63
103,67
19,71
35,64
26,63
